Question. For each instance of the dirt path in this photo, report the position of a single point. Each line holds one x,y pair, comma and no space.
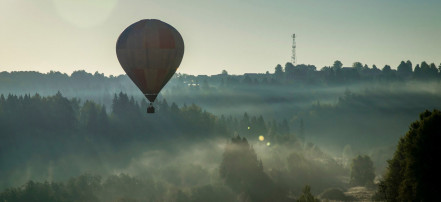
361,193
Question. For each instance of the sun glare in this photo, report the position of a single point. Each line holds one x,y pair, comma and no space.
84,13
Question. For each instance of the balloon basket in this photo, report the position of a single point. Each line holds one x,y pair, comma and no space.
150,110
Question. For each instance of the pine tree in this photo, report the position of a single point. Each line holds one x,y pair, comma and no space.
243,172
362,171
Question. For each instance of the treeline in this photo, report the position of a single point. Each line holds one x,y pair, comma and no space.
336,74
289,74
287,89
126,118
79,78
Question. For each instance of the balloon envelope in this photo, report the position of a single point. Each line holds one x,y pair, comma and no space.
150,52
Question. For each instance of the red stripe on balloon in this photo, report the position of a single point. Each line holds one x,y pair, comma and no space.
160,74
140,78
166,39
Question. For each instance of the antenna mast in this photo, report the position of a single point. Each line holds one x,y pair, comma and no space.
293,57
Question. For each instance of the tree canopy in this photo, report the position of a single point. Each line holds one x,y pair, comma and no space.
413,172
243,173
362,171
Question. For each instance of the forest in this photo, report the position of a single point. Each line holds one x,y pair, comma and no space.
296,134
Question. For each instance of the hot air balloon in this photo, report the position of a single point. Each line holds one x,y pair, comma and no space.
150,51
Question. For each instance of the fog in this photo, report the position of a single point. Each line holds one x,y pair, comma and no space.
64,130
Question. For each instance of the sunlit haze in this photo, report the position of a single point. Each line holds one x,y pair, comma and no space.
238,36
357,117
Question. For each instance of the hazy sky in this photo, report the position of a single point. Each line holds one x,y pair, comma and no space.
236,35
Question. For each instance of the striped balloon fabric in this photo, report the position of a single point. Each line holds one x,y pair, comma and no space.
150,52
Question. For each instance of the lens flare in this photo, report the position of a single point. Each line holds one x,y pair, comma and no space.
261,138
84,13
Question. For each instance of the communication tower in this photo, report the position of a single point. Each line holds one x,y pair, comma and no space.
293,57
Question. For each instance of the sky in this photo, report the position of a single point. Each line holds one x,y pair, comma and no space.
238,36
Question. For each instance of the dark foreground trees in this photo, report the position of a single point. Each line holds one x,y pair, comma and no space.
414,172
